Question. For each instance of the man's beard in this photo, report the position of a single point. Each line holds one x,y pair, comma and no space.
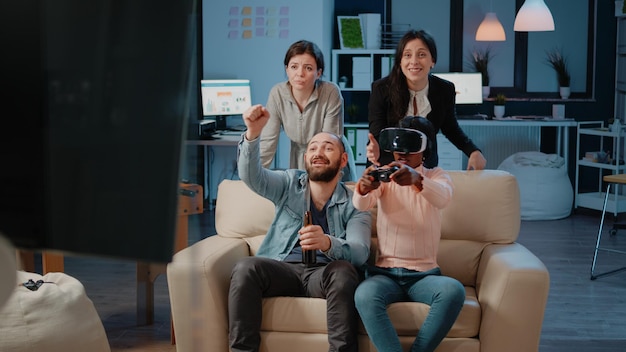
325,175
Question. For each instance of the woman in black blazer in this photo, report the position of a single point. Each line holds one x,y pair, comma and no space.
410,90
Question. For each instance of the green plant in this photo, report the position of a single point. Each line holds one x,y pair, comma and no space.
559,63
350,31
479,61
500,99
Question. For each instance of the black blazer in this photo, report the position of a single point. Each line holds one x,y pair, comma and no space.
441,94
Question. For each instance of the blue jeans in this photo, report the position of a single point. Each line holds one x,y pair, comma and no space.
384,286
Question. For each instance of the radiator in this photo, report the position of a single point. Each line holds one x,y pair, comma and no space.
499,142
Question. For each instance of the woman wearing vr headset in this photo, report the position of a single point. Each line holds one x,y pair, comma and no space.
406,266
410,90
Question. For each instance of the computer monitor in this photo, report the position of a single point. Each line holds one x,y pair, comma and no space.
468,86
225,96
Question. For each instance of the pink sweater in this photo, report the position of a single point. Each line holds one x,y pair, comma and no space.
409,221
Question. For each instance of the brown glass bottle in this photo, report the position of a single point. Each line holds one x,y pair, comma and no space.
308,257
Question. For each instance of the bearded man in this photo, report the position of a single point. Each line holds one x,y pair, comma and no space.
338,234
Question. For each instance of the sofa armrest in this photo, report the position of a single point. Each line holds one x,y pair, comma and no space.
512,286
198,281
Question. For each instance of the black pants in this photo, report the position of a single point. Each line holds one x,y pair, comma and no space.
254,278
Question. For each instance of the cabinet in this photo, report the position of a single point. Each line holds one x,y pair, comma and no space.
360,67
611,142
450,158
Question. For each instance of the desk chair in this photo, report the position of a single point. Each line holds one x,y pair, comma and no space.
619,179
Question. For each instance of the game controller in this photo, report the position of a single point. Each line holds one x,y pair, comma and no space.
383,174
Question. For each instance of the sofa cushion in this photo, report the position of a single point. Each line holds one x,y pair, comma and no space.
408,317
308,315
294,314
239,212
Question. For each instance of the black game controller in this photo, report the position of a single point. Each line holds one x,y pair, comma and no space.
383,174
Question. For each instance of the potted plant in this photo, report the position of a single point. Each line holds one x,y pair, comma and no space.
498,105
558,62
479,60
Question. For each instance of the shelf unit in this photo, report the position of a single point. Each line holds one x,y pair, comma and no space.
595,200
364,72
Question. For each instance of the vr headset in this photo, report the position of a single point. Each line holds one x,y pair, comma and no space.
402,140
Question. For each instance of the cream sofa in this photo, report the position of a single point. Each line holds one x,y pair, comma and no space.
507,285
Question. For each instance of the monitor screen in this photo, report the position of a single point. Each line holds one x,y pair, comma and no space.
225,96
468,86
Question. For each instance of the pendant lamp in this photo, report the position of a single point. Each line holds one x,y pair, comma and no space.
533,16
490,29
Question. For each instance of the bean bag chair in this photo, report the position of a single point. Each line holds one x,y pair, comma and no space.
51,315
546,192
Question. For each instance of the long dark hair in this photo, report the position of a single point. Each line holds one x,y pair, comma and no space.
398,88
305,47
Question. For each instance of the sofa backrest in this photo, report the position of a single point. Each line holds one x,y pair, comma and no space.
241,213
485,209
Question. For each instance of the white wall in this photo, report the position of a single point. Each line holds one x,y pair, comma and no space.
274,26
260,58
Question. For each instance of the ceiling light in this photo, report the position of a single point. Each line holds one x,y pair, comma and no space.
490,29
534,16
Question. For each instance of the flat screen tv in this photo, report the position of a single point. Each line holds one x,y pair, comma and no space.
99,100
468,86
221,97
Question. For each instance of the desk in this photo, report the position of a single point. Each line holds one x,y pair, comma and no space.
222,165
477,131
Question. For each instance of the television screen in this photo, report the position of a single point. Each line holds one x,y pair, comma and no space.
225,96
99,95
468,86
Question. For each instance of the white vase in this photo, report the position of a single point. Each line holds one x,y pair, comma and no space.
486,91
498,111
564,91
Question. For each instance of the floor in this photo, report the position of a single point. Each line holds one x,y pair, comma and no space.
581,314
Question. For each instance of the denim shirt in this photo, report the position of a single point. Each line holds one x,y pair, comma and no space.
350,229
